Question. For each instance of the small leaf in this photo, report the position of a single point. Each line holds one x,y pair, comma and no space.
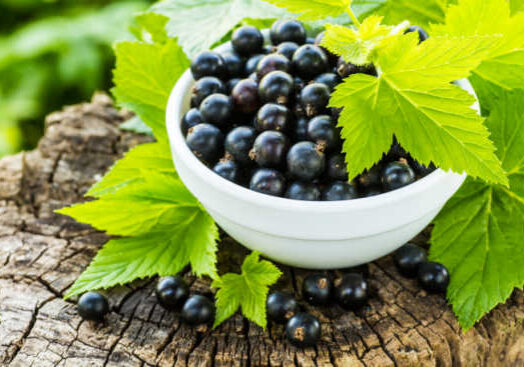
314,9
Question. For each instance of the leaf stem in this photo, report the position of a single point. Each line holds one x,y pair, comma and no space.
353,17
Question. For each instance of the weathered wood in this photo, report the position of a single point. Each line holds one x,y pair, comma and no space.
42,253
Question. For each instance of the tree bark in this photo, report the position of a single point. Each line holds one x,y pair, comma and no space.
42,253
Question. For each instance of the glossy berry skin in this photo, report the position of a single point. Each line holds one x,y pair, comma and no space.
338,191
198,310
287,49
397,175
217,109
268,181
336,168
305,161
300,131
206,142
252,64
234,64
245,96
272,62
433,277
322,130
205,87
280,307
303,191
330,80
315,98
239,142
272,117
270,149
172,292
310,61
231,84
208,63
288,31
422,34
317,289
277,86
227,169
351,291
345,69
408,259
247,40
370,178
93,306
191,118
318,41
303,330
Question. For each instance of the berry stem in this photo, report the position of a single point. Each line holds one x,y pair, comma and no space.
353,17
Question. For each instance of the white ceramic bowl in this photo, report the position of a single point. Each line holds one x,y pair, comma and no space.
314,235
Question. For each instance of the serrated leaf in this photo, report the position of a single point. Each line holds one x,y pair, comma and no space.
430,117
314,9
134,167
516,6
421,13
504,65
144,76
191,239
199,24
154,25
160,201
247,290
479,235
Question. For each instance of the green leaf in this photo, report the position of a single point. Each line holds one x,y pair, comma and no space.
134,167
516,6
159,202
414,99
137,126
191,239
421,13
479,235
504,66
314,9
144,76
154,25
199,24
247,290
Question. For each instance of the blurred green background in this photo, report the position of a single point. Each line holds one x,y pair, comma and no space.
54,53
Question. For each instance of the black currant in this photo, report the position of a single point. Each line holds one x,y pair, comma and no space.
208,63
227,169
287,49
433,277
339,190
303,330
272,62
239,142
331,80
306,161
247,40
234,64
268,181
198,310
303,191
396,152
422,34
370,178
345,69
205,87
288,31
310,61
397,175
269,149
299,84
421,169
245,96
206,142
231,83
217,109
337,168
331,56
277,86
372,191
254,77
300,133
172,292
315,98
93,306
252,64
317,289
190,119
322,131
272,117
351,291
280,307
408,258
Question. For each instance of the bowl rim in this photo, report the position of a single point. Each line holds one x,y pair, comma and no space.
174,114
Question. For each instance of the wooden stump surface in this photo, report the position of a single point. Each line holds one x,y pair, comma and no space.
41,254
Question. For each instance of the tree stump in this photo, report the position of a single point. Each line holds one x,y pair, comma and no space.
42,253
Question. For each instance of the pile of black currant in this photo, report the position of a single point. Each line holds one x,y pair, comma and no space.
259,117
